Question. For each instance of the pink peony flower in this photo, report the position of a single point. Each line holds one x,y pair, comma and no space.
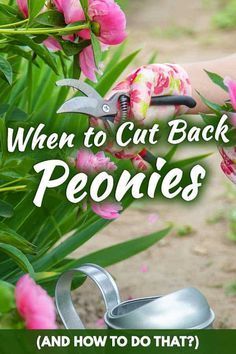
228,164
107,17
231,84
229,171
107,210
23,6
88,162
228,154
51,43
111,23
107,14
35,305
111,20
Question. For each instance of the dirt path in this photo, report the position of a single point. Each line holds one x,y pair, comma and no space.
179,31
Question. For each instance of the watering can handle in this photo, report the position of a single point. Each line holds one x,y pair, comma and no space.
65,307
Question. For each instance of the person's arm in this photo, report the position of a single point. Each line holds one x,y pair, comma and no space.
200,81
174,79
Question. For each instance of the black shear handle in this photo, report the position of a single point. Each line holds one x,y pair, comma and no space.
173,100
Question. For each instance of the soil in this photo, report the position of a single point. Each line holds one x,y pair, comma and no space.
204,258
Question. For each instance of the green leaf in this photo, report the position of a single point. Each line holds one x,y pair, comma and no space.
6,209
77,239
112,60
20,52
40,38
40,50
35,6
9,236
108,80
51,18
6,69
190,161
210,119
15,114
217,79
49,281
71,48
120,252
76,68
18,257
8,10
169,156
153,58
96,49
7,297
214,106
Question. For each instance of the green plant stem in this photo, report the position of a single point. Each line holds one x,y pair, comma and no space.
30,88
10,189
15,24
47,31
12,182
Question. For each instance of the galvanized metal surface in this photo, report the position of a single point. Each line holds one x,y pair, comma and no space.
183,309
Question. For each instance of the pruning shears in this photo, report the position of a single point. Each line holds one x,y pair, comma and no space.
93,104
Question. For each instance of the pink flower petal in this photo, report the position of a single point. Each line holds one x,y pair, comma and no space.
229,172
71,9
23,6
52,44
111,19
231,84
87,63
35,305
89,163
107,210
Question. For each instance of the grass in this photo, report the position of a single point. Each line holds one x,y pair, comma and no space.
225,18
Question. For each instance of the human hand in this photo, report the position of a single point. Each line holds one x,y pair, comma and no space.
141,85
154,80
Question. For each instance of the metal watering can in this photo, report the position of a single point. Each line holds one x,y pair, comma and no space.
183,309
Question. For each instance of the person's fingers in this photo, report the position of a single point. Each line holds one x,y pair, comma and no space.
170,79
123,86
141,90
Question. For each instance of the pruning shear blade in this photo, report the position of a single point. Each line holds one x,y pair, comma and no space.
81,86
83,105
